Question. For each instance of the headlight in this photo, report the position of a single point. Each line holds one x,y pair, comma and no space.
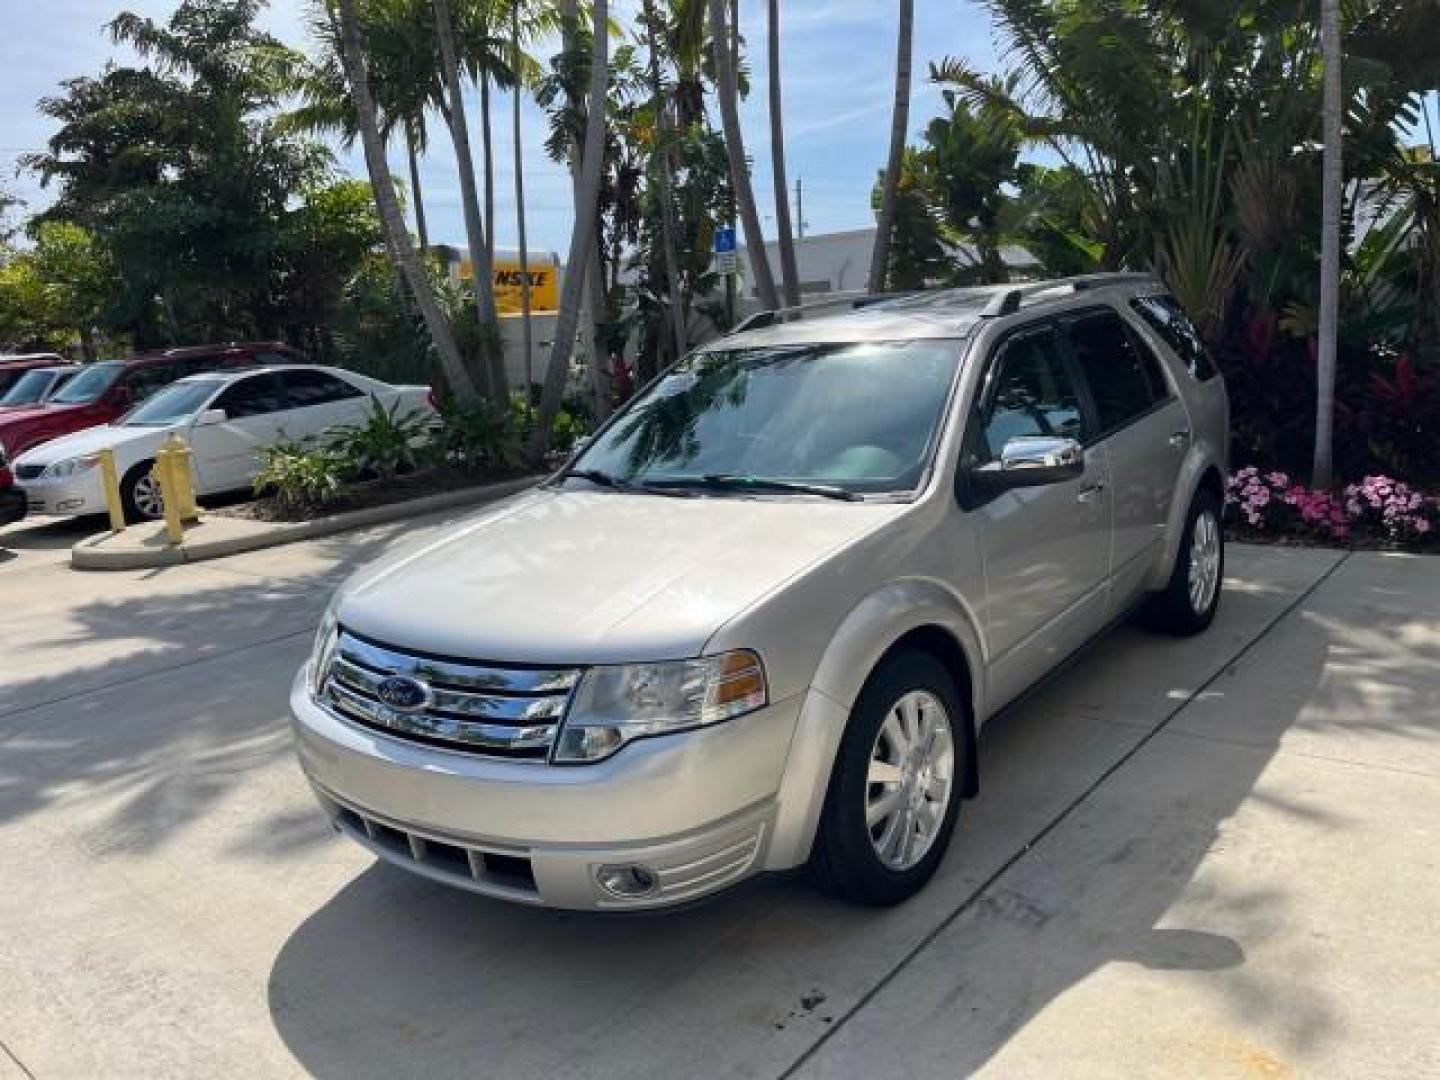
323,652
71,466
614,705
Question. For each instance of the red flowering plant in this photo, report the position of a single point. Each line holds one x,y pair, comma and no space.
1269,505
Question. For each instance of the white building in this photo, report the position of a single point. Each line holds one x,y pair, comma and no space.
840,261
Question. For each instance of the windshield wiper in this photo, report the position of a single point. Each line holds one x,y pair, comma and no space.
607,480
732,482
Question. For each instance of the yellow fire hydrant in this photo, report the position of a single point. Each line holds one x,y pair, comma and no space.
174,469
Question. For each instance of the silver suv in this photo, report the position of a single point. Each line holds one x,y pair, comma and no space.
758,622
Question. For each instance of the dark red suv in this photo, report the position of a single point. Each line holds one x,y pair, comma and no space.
13,367
102,392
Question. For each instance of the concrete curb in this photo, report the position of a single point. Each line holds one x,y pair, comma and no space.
144,547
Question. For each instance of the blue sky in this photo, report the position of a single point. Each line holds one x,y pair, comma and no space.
839,60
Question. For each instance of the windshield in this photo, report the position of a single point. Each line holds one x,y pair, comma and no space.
88,385
28,389
175,403
855,417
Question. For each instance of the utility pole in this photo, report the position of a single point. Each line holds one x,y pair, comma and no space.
800,206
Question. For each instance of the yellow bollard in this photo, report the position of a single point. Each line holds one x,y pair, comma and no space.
111,481
177,486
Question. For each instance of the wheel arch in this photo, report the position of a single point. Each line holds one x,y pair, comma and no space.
1201,472
917,614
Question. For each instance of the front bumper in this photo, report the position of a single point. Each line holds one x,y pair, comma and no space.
12,505
696,809
68,496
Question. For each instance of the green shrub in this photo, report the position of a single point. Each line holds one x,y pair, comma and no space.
301,479
477,438
386,444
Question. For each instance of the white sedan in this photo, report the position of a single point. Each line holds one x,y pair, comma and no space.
228,418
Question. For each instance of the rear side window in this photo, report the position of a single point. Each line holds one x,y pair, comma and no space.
306,388
146,379
1124,381
1167,318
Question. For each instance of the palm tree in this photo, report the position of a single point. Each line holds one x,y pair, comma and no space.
729,92
582,235
397,240
899,126
1323,473
415,139
661,164
789,273
484,279
527,323
404,83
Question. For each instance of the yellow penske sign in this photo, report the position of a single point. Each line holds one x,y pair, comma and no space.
509,286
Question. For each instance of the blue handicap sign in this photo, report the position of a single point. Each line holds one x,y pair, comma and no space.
725,241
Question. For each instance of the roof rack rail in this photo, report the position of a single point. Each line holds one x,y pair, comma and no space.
1007,301
772,317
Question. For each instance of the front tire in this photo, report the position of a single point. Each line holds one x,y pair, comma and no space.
140,494
897,784
1187,604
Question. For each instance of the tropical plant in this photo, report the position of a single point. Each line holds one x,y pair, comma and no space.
477,437
387,443
785,237
582,237
727,88
401,252
176,166
298,478
492,359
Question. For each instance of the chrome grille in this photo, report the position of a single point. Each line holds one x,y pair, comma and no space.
492,709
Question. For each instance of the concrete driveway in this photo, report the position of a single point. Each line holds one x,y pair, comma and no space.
1205,858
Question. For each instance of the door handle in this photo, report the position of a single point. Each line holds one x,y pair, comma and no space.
1090,492
1179,438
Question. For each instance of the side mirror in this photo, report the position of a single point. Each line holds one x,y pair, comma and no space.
119,397
1031,461
211,417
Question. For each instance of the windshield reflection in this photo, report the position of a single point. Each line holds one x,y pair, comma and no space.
861,417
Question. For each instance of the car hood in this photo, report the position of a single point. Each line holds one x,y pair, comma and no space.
88,442
17,415
595,577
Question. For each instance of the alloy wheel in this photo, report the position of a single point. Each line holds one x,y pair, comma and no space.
1204,561
147,497
910,779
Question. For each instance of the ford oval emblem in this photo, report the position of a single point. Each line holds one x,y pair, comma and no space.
403,694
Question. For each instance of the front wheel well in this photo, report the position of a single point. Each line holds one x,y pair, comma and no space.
938,642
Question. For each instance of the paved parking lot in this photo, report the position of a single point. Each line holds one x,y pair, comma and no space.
1208,858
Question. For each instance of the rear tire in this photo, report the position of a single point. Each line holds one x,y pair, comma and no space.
904,751
1187,605
140,494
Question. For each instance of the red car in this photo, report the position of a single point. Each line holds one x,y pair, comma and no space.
12,367
103,392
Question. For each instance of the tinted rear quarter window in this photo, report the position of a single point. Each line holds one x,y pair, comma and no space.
306,388
1123,380
1163,314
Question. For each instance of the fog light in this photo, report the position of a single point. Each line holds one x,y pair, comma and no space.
70,504
630,882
